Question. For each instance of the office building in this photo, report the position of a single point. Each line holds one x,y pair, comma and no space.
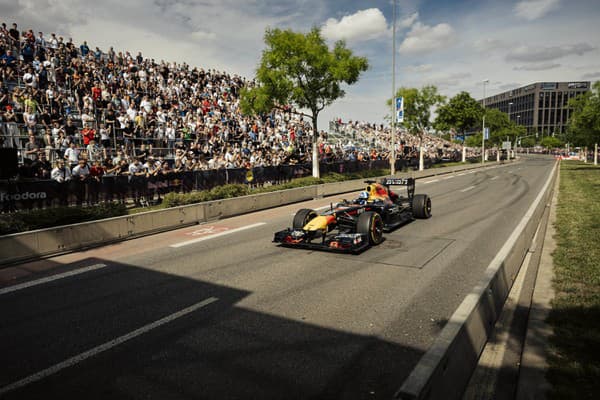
540,107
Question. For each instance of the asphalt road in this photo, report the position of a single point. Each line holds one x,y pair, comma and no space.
217,311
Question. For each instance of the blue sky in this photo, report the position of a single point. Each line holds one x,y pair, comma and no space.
454,45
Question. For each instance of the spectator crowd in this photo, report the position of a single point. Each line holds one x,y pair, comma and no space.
77,112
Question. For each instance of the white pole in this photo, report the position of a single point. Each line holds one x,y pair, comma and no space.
394,116
483,125
464,154
596,154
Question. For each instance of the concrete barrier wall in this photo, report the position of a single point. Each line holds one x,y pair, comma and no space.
445,369
45,242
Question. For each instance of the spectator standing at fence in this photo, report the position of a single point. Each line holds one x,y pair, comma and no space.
32,148
60,173
72,155
137,180
97,171
80,174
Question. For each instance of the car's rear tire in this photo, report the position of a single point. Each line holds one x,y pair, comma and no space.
421,206
302,217
370,223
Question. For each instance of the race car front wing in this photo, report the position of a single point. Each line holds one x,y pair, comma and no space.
342,242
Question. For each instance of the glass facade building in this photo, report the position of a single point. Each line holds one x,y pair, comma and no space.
541,107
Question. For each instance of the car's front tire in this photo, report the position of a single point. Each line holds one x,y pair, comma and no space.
370,223
302,217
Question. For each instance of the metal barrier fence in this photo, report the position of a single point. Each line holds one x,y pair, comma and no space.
17,195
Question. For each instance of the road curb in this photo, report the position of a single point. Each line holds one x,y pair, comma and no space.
532,384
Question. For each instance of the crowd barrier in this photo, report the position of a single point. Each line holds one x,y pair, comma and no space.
28,194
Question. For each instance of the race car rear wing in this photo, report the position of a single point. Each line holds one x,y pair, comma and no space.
408,182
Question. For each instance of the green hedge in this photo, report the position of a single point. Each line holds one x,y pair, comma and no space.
22,221
230,191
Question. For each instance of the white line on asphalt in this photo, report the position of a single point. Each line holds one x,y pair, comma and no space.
467,189
461,174
494,178
103,347
203,238
432,181
448,177
47,279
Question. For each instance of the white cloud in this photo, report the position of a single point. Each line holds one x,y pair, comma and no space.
534,9
202,35
491,44
419,68
448,79
362,25
424,38
537,67
591,76
407,22
542,53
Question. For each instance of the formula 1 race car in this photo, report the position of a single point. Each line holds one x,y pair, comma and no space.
352,226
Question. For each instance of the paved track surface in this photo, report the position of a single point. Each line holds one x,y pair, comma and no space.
217,311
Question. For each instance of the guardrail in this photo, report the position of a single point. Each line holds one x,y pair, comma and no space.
25,246
445,369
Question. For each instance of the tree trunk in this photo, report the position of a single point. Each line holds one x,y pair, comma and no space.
315,148
421,158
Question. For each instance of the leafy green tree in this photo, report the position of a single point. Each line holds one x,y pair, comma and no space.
584,123
473,140
551,142
527,142
417,111
462,113
501,127
300,70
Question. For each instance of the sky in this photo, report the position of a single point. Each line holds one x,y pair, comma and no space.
455,45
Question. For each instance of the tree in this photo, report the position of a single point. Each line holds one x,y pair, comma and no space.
417,111
551,142
501,127
299,70
584,124
461,113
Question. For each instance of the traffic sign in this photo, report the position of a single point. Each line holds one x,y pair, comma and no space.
486,133
399,109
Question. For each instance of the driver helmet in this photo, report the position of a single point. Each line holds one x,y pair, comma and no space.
364,195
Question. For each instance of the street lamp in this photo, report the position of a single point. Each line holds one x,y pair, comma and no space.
485,82
394,116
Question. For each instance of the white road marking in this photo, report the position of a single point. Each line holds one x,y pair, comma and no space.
227,232
448,177
104,347
461,174
321,208
494,178
467,189
432,181
47,279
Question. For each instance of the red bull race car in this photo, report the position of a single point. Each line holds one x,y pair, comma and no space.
352,226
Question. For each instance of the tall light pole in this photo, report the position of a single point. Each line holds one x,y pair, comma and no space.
394,116
485,82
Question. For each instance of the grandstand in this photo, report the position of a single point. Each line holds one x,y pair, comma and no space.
61,101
